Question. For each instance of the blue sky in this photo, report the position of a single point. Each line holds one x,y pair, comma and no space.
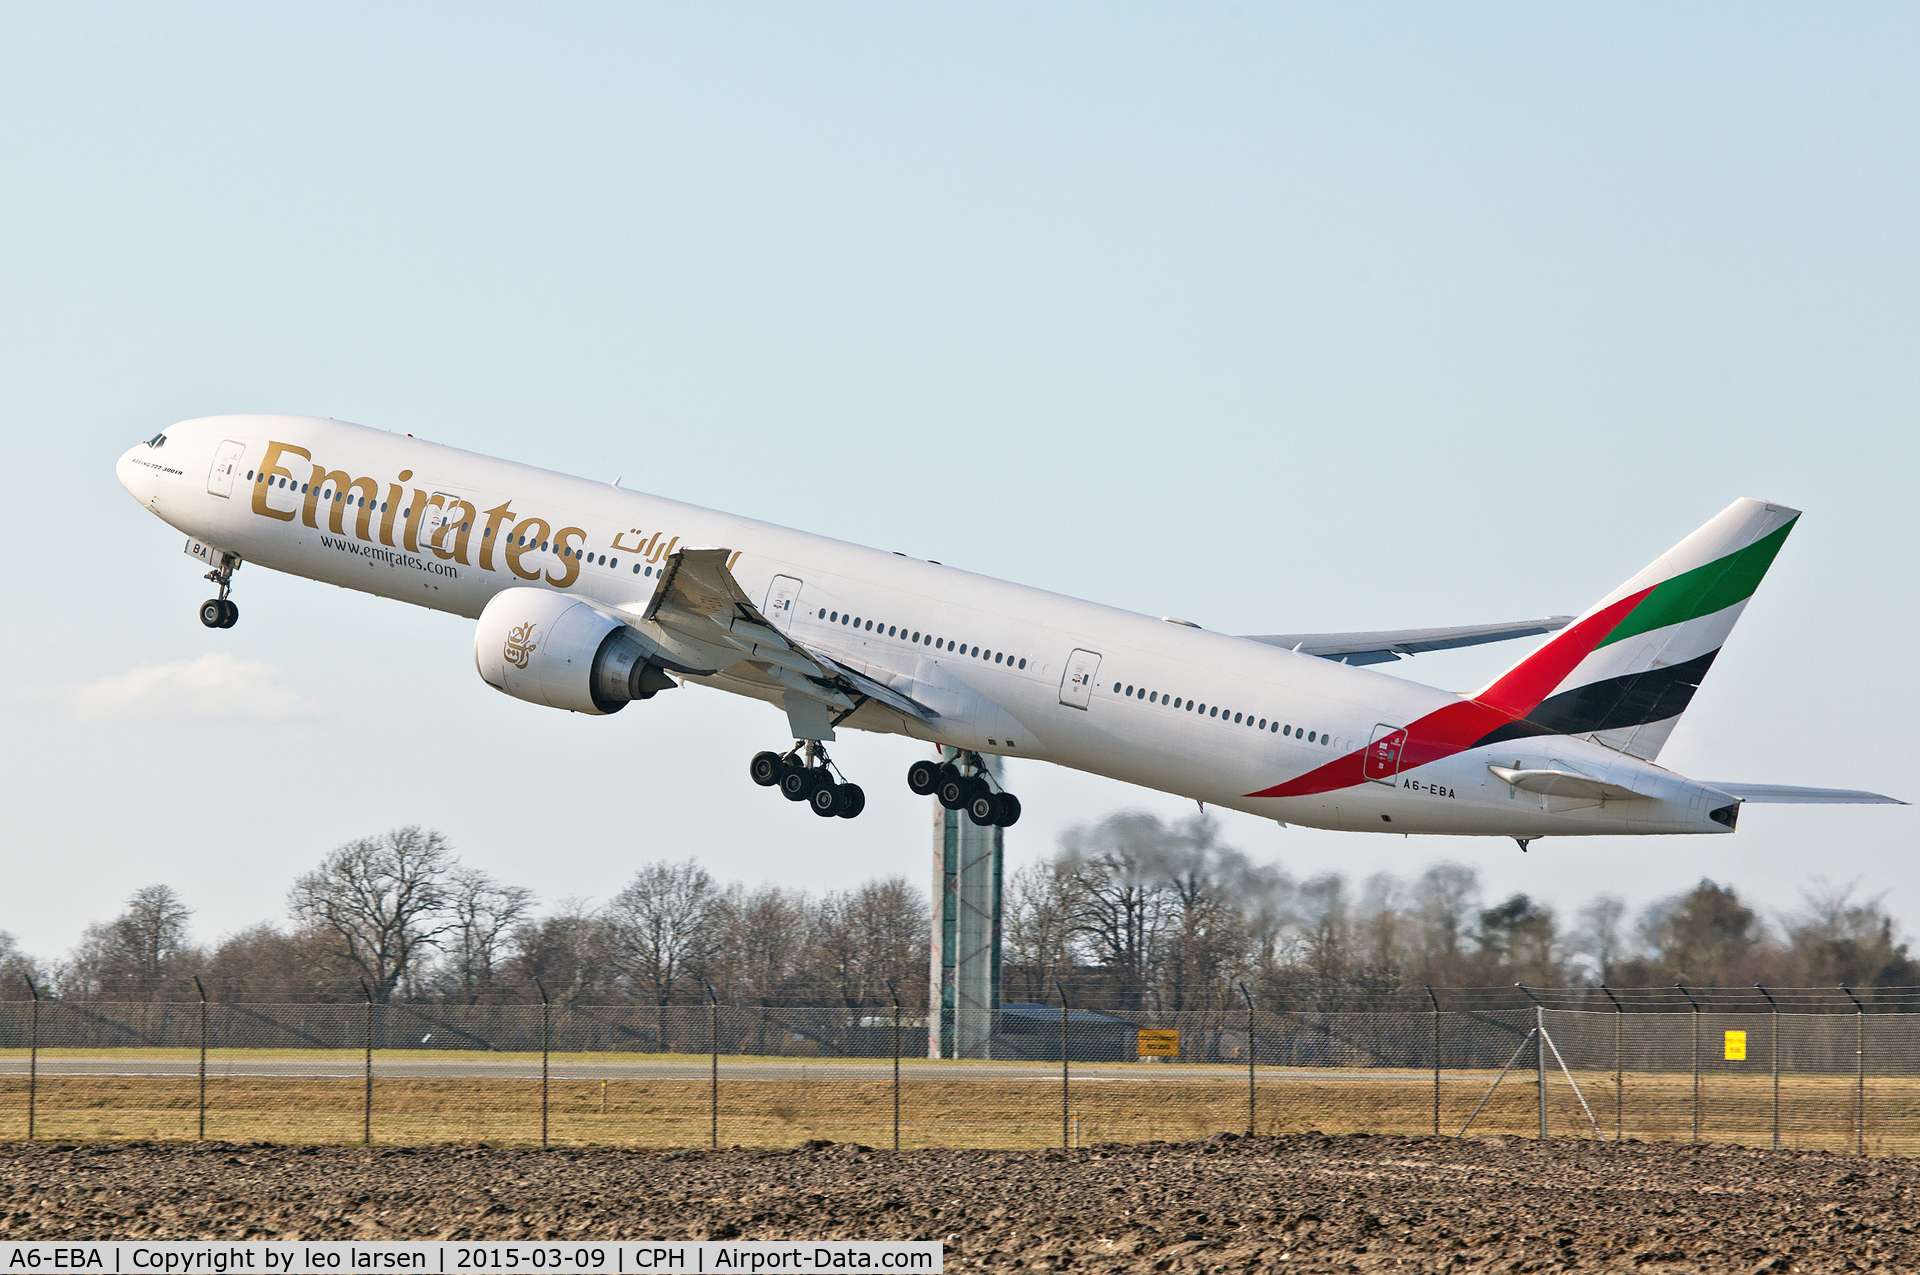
1276,318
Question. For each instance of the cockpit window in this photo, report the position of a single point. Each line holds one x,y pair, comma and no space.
157,441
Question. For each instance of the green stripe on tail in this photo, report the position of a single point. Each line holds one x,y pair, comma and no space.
1702,591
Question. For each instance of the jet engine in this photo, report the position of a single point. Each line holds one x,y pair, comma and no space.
547,648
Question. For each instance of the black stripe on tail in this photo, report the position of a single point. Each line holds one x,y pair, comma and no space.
1633,699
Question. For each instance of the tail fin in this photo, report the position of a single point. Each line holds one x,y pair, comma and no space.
1623,672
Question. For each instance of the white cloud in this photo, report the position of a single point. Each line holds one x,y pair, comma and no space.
216,686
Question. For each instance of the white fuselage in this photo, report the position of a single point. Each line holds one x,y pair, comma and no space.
343,514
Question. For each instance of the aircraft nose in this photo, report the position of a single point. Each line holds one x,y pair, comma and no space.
133,476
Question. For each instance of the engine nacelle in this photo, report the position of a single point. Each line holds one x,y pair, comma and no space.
547,648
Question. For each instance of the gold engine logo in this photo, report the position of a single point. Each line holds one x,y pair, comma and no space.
520,645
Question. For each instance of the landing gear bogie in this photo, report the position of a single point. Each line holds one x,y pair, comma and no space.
806,774
963,784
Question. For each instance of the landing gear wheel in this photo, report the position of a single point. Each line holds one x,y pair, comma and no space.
213,613
765,769
954,790
232,616
923,777
1009,813
828,800
797,782
982,808
853,799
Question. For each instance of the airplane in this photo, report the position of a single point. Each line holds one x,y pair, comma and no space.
588,597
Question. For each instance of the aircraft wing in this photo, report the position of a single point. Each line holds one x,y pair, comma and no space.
1392,644
1787,795
710,625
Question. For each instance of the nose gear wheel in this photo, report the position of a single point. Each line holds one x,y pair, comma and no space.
221,612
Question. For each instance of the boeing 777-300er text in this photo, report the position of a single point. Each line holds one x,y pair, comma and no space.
589,596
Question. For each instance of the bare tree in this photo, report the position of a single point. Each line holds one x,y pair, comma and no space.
1837,940
483,912
1602,934
266,963
382,902
1037,920
570,952
763,943
1120,898
666,925
134,956
1445,899
16,967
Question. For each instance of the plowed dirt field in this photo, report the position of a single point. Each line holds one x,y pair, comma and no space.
1299,1203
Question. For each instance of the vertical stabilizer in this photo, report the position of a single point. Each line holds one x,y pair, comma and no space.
1623,672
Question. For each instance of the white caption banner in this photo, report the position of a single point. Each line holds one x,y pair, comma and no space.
454,1257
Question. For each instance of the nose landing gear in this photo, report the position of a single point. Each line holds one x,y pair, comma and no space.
221,612
964,784
806,774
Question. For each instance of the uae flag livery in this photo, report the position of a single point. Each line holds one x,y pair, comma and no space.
1621,674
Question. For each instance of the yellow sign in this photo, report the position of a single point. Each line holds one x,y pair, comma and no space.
1736,1046
1159,1044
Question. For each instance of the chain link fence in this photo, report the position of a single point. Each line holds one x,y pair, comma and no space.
726,1075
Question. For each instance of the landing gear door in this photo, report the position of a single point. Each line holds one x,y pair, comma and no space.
782,596
1382,763
226,462
1076,687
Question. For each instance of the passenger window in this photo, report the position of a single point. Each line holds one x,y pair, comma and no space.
1023,663
1116,688
1310,737
1263,723
1236,719
1214,711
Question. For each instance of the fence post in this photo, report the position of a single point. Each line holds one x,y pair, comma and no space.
1775,1016
366,1118
1860,1074
546,1046
201,988
1539,1053
1436,1057
1252,1111
1619,1087
33,1056
893,990
1696,1060
1065,1143
713,1039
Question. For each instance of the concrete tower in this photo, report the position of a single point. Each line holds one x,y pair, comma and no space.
965,967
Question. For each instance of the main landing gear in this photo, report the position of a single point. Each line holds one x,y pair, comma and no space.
221,612
806,774
963,784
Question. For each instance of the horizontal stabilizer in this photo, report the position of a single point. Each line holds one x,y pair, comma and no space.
1560,783
1391,644
1788,795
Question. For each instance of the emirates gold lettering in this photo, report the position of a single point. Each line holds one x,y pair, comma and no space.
395,494
497,516
566,557
525,538
271,468
452,531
